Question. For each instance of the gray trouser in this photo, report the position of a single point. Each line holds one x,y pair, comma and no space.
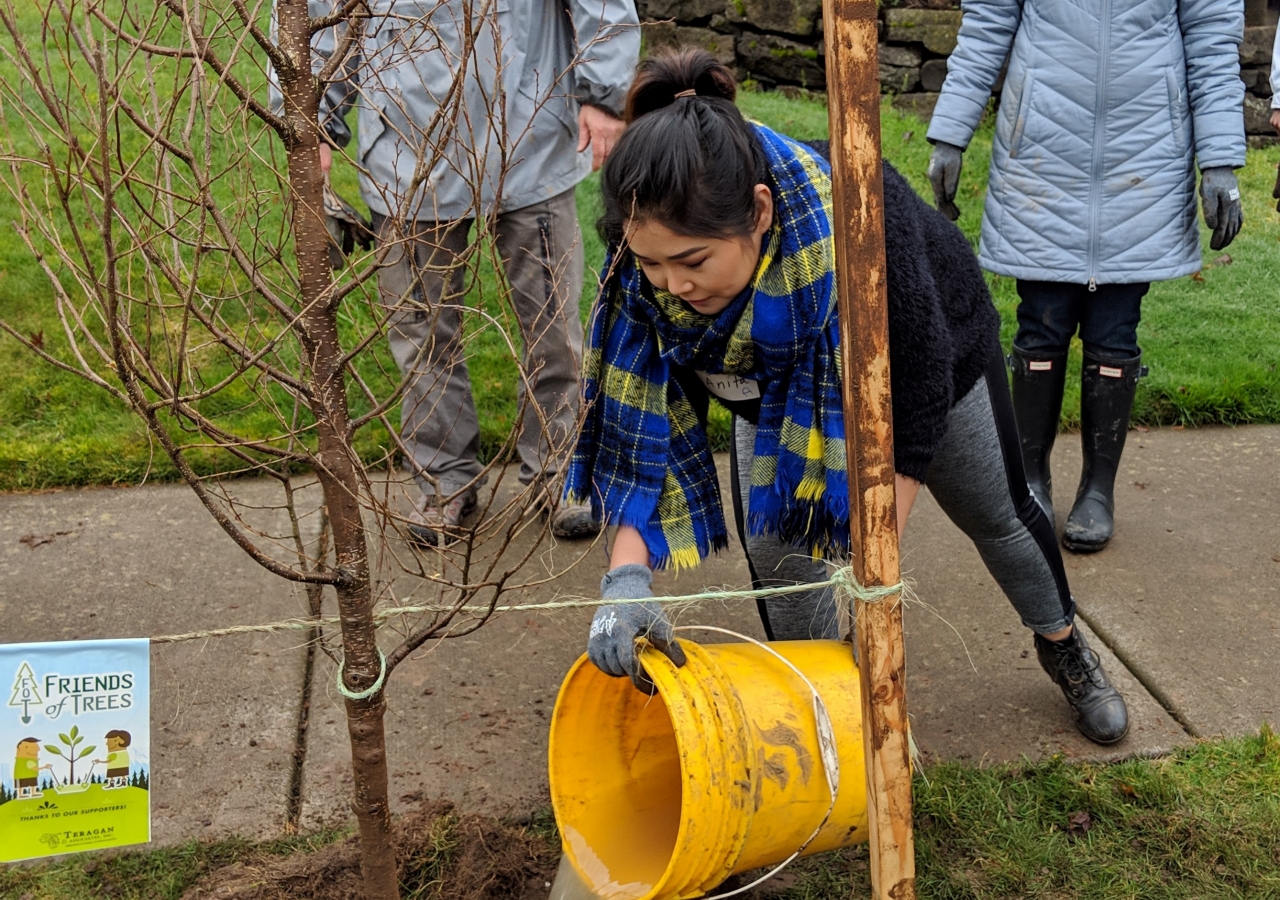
424,285
977,478
788,617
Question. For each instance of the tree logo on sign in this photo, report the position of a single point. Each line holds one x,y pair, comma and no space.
26,691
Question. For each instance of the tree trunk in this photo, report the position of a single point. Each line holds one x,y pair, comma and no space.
857,185
338,471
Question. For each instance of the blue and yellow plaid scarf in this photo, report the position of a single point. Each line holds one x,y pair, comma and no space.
643,459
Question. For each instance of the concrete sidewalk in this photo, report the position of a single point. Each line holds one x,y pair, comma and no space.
1185,607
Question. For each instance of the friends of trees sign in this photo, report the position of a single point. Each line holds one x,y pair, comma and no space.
75,770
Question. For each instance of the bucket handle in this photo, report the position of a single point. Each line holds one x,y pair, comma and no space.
826,742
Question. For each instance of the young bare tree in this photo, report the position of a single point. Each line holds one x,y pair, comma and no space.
179,215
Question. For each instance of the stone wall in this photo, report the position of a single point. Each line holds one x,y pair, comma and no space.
1255,69
778,44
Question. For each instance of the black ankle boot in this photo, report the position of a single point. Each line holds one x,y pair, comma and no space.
1107,387
1038,379
1100,711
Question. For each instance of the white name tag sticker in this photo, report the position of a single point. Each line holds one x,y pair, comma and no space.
1110,372
730,387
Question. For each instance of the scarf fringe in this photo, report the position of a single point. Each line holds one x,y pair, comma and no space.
688,558
636,511
820,525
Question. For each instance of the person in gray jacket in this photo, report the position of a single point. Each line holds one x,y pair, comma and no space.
499,131
1107,107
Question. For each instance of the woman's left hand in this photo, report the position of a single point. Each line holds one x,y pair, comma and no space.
611,644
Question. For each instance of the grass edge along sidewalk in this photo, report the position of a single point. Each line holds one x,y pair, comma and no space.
1212,340
1199,823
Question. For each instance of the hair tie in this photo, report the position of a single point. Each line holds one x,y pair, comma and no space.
689,93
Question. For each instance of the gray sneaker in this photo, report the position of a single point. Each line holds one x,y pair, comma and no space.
573,522
569,521
432,524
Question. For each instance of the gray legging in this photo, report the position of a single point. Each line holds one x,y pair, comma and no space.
977,478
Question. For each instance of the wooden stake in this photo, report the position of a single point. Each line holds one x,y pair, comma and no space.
853,92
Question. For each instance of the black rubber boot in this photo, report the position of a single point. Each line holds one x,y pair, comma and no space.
1107,387
1100,711
1038,379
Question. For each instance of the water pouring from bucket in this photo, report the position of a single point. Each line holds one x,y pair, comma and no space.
729,767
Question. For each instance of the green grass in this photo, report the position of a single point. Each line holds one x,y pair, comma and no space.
162,874
1198,825
1213,344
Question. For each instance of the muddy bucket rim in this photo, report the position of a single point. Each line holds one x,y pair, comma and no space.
724,751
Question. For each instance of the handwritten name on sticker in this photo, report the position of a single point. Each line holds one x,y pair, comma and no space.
730,387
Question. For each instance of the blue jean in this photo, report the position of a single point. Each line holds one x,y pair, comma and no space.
1051,311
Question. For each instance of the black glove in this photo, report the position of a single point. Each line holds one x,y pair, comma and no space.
346,227
615,629
944,175
1220,197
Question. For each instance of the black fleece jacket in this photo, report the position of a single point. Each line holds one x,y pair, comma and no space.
943,327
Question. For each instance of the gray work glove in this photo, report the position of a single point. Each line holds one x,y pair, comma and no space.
614,630
346,226
1220,198
944,175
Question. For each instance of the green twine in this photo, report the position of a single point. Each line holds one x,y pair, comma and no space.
371,689
842,579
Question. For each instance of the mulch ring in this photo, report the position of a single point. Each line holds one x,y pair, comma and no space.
440,855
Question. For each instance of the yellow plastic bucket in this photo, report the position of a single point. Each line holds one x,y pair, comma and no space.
662,798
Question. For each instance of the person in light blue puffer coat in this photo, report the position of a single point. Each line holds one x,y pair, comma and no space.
1107,108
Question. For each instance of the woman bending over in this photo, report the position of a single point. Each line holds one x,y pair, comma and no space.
720,286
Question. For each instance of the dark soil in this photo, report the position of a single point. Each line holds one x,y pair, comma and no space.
441,856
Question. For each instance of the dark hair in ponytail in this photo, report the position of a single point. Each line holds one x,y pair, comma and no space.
691,162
